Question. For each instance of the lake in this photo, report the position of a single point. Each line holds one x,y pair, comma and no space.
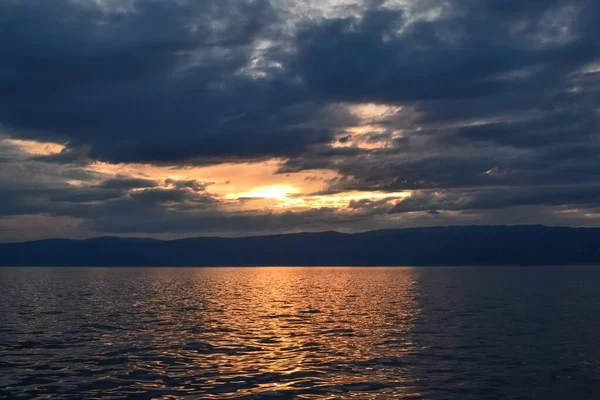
301,332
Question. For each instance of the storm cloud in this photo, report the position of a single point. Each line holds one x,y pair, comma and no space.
475,111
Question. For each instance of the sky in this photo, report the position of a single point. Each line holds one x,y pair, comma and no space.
177,118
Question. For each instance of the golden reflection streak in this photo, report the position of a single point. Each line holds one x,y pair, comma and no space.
292,328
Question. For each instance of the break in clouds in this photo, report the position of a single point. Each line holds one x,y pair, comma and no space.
170,118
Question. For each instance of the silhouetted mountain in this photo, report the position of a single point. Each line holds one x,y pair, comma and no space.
459,245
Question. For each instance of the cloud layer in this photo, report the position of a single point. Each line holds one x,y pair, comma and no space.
146,117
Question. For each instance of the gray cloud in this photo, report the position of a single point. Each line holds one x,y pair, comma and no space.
499,109
481,199
127,183
162,81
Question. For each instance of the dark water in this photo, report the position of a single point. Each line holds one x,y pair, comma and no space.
306,333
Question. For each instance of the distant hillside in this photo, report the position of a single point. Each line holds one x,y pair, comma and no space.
466,245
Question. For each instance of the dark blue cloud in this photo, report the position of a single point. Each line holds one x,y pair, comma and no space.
499,105
163,81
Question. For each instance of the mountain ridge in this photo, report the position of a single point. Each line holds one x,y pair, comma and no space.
444,245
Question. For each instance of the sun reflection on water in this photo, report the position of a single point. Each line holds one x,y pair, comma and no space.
305,330
225,333
299,333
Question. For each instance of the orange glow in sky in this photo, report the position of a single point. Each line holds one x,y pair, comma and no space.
278,192
36,148
247,185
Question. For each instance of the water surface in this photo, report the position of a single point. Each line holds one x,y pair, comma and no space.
305,333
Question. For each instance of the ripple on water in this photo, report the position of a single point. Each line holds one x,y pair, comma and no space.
305,333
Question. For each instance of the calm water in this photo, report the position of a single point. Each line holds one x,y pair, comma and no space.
306,333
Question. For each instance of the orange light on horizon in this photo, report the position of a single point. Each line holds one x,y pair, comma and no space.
279,192
341,200
244,186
